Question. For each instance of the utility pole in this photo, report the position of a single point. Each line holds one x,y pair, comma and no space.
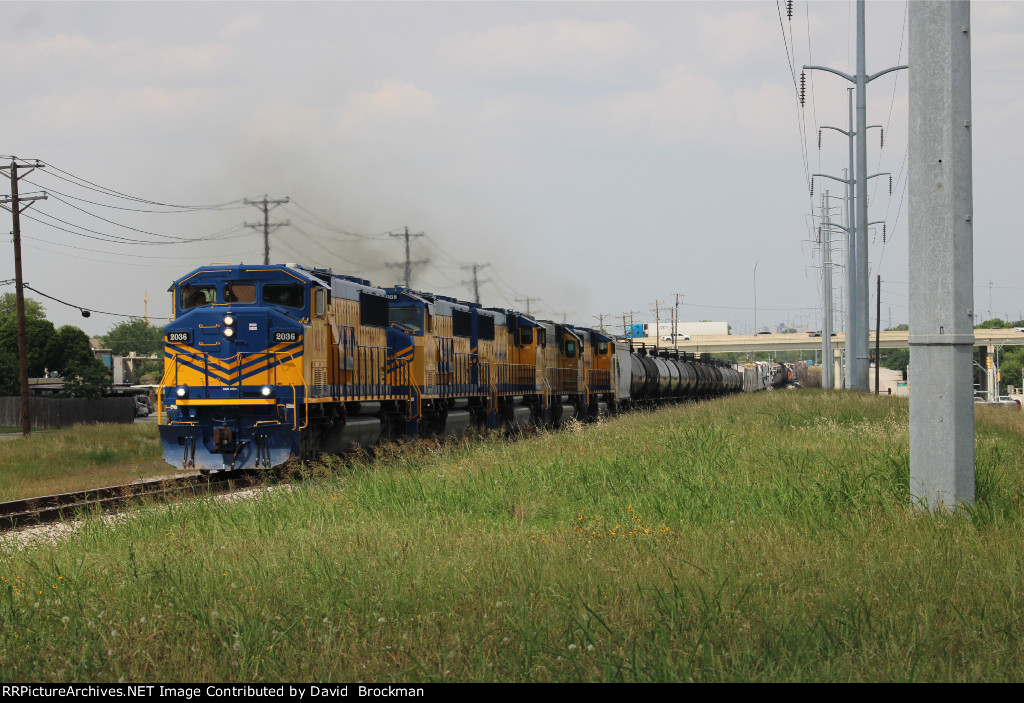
266,205
475,281
941,244
16,208
657,321
675,323
409,263
527,301
827,362
628,327
600,320
857,334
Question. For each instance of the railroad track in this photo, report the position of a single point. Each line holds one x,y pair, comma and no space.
66,506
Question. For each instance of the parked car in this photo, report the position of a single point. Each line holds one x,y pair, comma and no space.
143,406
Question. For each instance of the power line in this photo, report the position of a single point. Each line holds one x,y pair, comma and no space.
110,191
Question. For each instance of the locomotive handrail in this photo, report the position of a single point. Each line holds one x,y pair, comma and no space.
599,379
563,379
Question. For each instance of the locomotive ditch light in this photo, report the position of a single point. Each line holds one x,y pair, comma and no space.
266,391
181,391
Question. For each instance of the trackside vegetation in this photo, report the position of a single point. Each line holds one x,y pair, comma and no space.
754,538
78,458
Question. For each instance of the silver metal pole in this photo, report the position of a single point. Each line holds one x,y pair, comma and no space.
941,257
857,338
827,380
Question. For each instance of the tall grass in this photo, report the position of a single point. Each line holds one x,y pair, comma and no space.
762,538
78,458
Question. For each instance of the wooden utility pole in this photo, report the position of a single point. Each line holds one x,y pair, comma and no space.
675,322
657,320
475,281
16,208
527,301
409,263
267,205
600,320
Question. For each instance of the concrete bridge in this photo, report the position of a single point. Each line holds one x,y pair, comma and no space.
988,339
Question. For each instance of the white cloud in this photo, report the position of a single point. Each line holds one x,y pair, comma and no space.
567,48
105,109
63,55
733,39
391,101
241,25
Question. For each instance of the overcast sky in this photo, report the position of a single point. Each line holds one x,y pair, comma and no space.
598,156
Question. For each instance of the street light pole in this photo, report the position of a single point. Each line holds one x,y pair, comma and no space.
755,295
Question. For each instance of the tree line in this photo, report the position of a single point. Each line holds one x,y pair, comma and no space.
65,352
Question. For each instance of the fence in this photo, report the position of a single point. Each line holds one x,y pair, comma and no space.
51,413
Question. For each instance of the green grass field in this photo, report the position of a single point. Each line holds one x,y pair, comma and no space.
763,538
77,458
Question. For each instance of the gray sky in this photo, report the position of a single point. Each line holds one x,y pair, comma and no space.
599,156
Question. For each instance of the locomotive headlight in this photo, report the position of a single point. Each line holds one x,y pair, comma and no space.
229,332
229,320
266,391
181,391
229,326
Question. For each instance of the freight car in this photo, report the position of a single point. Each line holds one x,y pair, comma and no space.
267,363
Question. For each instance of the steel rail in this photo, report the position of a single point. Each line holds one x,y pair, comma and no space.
66,506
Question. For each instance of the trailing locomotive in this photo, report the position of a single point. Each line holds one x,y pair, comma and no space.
266,363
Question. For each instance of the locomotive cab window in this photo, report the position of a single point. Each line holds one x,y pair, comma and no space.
570,348
411,317
191,296
288,295
525,335
239,293
602,347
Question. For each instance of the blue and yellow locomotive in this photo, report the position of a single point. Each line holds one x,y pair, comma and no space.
267,363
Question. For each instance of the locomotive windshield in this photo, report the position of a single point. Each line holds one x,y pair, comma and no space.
191,296
290,296
239,293
411,317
